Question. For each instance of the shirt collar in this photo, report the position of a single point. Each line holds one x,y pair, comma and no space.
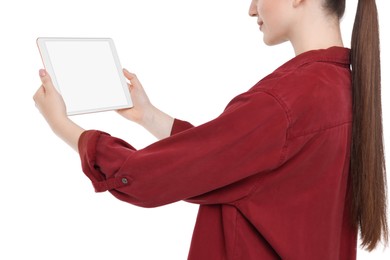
334,54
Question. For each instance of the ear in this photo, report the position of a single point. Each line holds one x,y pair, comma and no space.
296,3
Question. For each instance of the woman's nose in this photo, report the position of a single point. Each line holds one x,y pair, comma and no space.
253,9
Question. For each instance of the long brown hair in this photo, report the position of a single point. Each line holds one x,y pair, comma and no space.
367,186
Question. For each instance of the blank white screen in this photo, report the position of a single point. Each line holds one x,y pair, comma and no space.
86,75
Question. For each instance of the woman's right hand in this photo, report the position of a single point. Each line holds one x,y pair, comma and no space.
143,112
141,103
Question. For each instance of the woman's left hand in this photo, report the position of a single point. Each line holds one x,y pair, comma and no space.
49,102
52,107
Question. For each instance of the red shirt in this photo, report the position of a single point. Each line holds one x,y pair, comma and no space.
270,173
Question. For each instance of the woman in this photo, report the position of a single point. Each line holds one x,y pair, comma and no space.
292,169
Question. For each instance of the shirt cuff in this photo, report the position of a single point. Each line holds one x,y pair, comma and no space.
87,146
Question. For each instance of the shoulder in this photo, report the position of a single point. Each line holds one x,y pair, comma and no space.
314,95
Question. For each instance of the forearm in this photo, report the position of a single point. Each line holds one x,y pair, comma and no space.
157,123
69,132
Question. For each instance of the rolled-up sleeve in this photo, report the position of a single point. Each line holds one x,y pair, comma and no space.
246,139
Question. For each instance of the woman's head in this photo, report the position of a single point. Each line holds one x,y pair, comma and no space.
307,24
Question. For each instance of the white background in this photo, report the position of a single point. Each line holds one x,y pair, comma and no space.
192,58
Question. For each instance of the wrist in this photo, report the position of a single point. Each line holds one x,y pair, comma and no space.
59,124
158,123
68,131
148,117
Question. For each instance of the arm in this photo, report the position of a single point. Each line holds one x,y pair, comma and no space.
194,165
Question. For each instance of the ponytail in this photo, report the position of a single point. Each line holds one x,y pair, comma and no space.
367,190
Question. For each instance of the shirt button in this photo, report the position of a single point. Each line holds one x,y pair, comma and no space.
124,181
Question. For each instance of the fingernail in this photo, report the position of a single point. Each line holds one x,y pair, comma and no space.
42,72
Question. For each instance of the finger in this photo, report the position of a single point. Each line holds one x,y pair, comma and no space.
46,80
132,77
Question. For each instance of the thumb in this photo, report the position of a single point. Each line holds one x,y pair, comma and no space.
46,80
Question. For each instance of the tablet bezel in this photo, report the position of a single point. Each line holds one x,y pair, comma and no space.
41,43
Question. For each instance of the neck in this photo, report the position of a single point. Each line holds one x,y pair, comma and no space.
315,32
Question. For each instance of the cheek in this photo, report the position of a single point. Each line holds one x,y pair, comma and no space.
268,13
276,26
275,31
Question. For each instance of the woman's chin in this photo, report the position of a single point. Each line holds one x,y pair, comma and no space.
269,41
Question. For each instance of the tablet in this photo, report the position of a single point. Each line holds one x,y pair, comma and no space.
86,72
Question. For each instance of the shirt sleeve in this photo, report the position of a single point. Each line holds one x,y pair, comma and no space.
245,140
